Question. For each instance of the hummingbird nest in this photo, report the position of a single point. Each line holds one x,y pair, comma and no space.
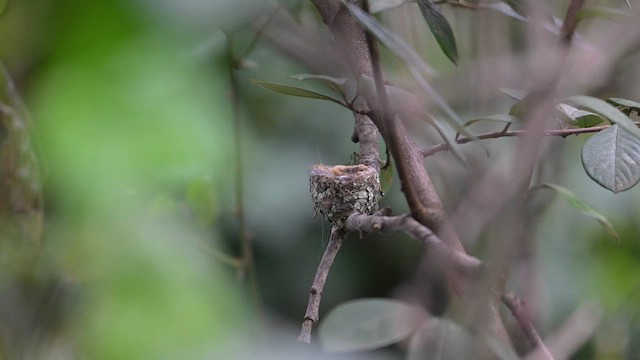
339,191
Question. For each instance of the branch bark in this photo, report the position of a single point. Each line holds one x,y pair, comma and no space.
570,21
519,312
511,133
312,316
404,223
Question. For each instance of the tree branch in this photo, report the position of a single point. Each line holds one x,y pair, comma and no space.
459,260
570,21
367,136
511,133
516,306
312,316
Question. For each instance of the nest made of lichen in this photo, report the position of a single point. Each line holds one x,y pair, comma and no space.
338,191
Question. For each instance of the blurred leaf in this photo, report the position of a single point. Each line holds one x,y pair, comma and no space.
577,117
608,111
505,9
405,102
368,324
202,200
514,93
523,106
625,104
499,118
454,147
440,29
3,5
323,78
612,159
441,339
376,6
628,4
392,41
295,91
120,128
386,177
602,12
417,67
581,206
21,200
334,83
401,100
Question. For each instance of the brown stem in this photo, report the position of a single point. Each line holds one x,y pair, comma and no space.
367,136
500,134
570,21
312,316
246,248
404,223
517,308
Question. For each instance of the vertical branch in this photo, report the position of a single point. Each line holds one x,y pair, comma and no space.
246,248
570,21
312,316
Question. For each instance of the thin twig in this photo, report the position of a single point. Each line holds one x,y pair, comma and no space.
500,134
516,306
312,316
246,248
572,334
256,36
404,223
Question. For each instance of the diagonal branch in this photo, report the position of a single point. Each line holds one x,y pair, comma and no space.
516,306
459,260
312,316
570,21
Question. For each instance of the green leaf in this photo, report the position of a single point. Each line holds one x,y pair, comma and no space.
612,159
333,83
581,206
577,117
368,324
376,6
523,106
440,29
392,41
625,104
295,91
441,339
602,12
608,111
514,93
499,118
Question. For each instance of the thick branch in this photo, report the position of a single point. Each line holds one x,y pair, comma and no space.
511,133
367,137
516,306
313,306
405,223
